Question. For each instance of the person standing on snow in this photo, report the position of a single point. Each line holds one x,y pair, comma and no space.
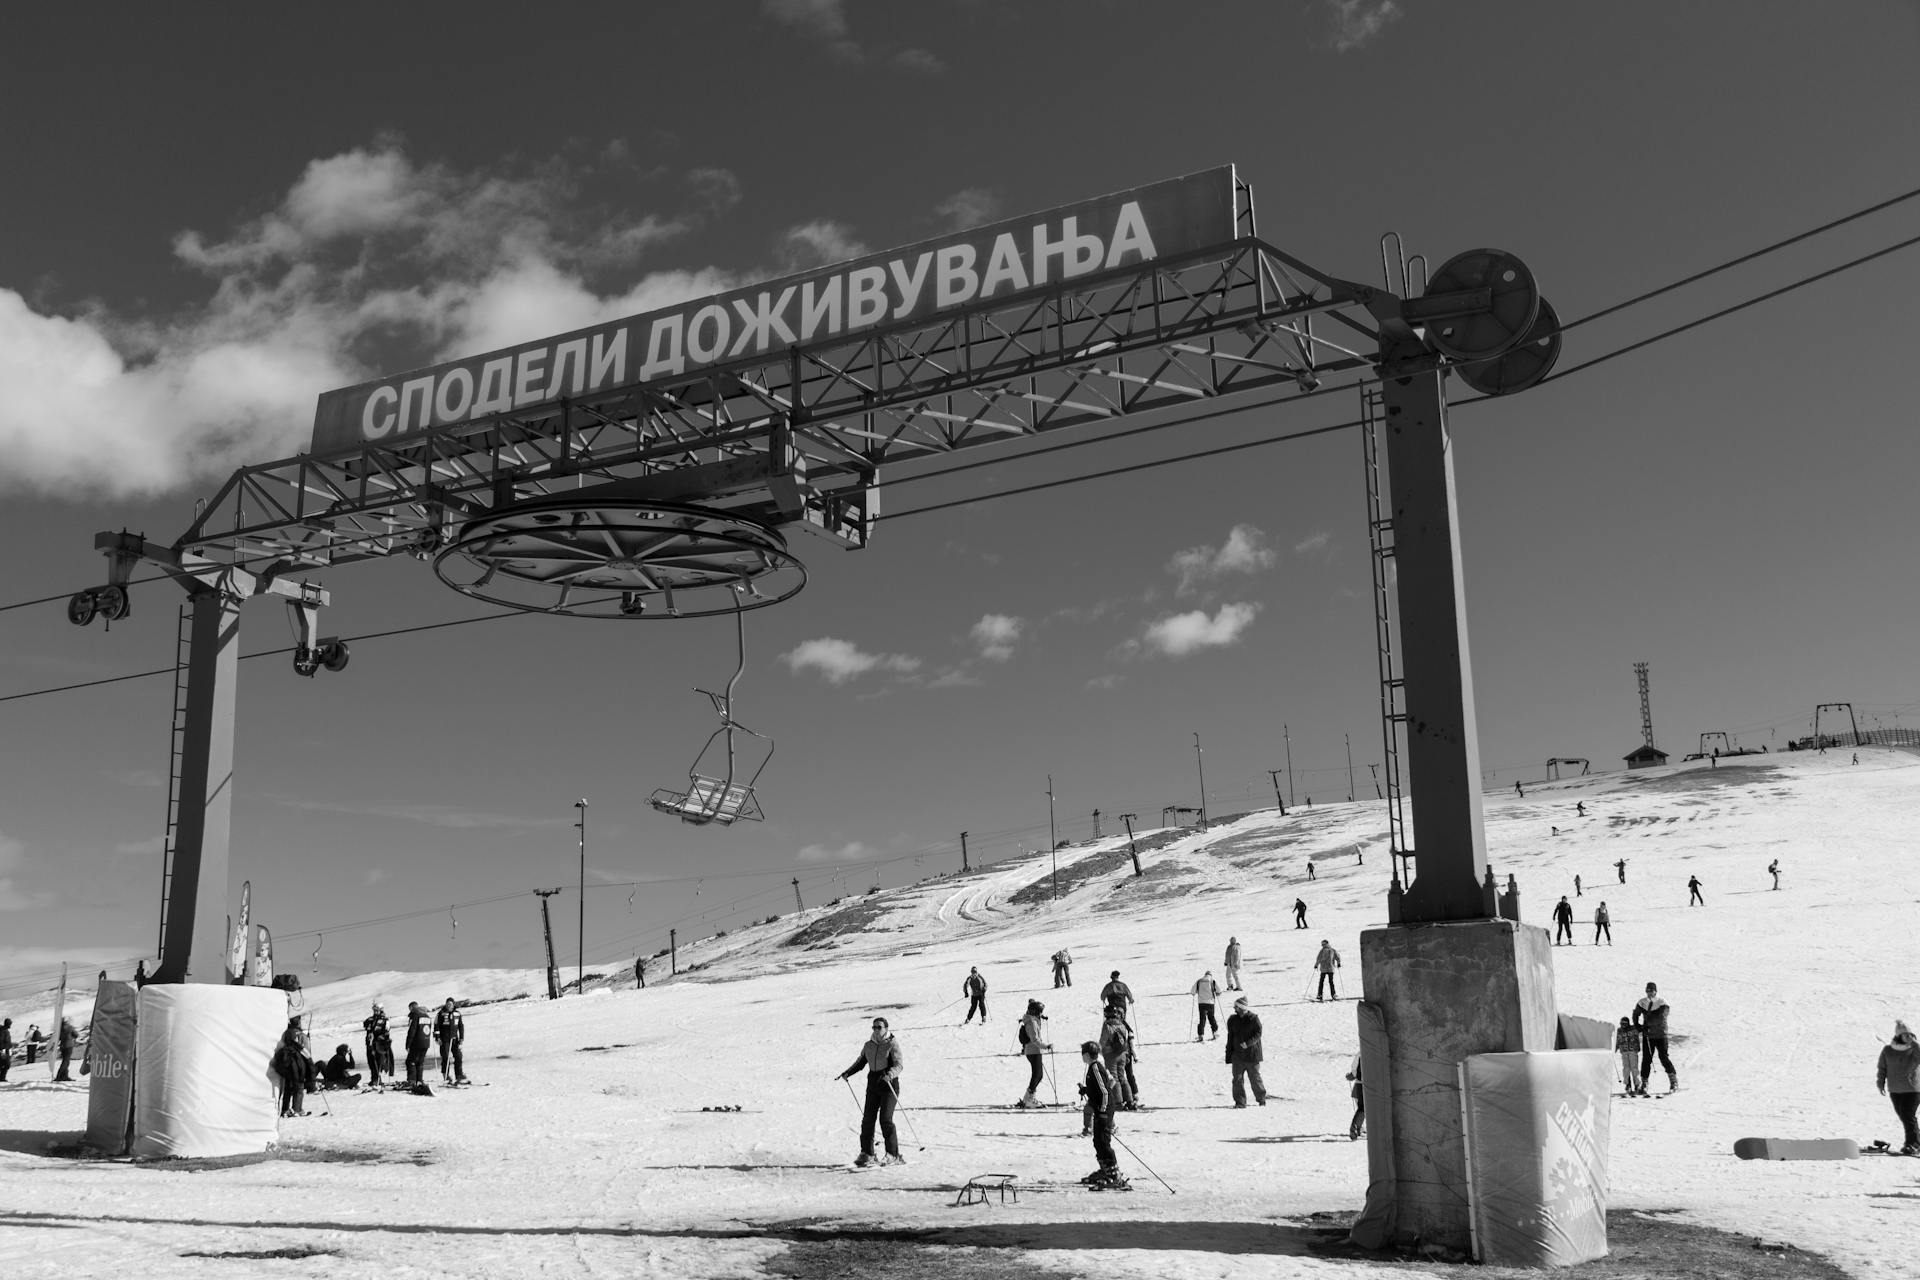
1233,964
1576,886
1062,968
1563,921
1602,923
1101,1092
1650,1015
1325,963
6,1047
1299,913
69,1038
379,1046
880,1055
1359,1121
1626,1042
1773,869
419,1036
450,1032
1116,1050
1310,871
1620,868
291,1062
1693,892
1898,1077
1244,1053
1205,992
1033,1043
975,989
1117,992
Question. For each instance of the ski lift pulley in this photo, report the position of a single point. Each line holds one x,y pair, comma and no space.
716,790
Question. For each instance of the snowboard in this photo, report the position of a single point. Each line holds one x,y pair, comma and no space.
1796,1148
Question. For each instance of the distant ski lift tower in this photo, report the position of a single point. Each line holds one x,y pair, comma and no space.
1646,707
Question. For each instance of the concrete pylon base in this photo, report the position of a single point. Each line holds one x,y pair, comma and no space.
1446,991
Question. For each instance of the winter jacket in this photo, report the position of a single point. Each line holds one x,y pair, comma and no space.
339,1065
1116,1041
68,1039
1233,955
1626,1039
1651,1013
417,1033
377,1034
449,1026
1206,991
1033,1035
1600,916
880,1058
1101,1095
6,1040
1563,912
1900,1068
1243,1038
1327,961
975,985
1116,992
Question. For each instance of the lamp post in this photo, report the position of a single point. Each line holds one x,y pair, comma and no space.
1053,840
580,974
1291,798
1349,738
1200,762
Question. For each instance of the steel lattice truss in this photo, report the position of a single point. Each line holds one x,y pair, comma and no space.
1173,333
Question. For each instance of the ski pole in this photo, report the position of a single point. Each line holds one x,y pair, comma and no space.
1144,1165
917,1144
1053,1074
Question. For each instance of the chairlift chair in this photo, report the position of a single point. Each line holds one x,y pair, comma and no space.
714,794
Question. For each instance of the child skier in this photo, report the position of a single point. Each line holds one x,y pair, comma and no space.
1099,1091
1626,1039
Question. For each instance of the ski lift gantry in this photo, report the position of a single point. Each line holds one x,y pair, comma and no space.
668,465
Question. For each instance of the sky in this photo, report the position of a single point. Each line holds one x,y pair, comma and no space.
239,213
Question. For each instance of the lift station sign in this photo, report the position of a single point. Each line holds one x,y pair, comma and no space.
908,285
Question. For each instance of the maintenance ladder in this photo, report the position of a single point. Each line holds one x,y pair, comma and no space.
183,643
1393,713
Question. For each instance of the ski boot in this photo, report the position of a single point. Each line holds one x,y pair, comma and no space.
864,1159
1027,1102
892,1157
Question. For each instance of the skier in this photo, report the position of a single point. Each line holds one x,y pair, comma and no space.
1898,1076
640,973
1693,892
1626,1040
379,1046
1062,968
1650,1015
450,1032
1116,1050
1299,913
1580,809
33,1041
1602,923
68,1039
1117,992
880,1055
1773,869
975,989
1621,868
1233,964
1359,1121
291,1063
1519,790
1576,886
1101,1092
1326,962
1205,992
1310,874
1563,921
418,1037
6,1047
1244,1053
1033,1043
339,1072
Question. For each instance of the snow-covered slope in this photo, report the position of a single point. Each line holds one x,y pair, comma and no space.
586,1146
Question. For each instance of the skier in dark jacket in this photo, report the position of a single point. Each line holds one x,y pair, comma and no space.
1563,921
68,1039
1116,1051
880,1055
419,1037
1693,892
1299,913
339,1072
450,1032
1650,1015
291,1063
6,1047
1899,1078
379,1046
975,989
1244,1053
1101,1094
1116,992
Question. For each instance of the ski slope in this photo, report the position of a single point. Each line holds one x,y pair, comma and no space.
585,1149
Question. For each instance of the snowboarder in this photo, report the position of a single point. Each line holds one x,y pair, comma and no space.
1563,921
339,1072
6,1047
1898,1076
1621,868
1233,964
291,1063
450,1032
1299,913
1359,1121
1650,1015
1116,1050
1033,1043
1244,1053
1205,992
880,1055
1626,1040
379,1046
419,1036
1693,892
1325,963
68,1039
1773,869
1602,923
1310,874
1117,992
1062,968
975,989
1576,886
1101,1092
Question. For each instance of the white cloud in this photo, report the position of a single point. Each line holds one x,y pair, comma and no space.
374,876
1355,22
1180,635
815,244
995,635
142,848
852,852
954,678
824,20
1320,541
1244,551
838,661
1109,681
317,293
970,208
919,60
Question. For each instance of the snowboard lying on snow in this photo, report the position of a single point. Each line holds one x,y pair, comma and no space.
1796,1148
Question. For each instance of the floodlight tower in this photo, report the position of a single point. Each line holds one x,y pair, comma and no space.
1646,706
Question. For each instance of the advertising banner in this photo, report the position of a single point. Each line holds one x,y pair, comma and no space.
1536,1134
110,1059
202,1084
907,285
